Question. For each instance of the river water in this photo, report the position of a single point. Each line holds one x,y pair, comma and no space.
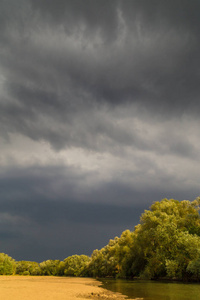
153,290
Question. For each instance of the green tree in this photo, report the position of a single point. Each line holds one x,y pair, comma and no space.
7,264
114,259
104,262
50,267
124,253
27,268
193,268
168,238
76,265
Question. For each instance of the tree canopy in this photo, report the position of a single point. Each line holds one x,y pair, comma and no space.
166,243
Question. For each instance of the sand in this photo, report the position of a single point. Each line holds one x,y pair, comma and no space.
53,288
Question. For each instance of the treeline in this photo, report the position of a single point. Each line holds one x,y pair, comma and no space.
75,265
166,244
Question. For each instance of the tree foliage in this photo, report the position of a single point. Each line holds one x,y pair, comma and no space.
50,267
76,265
168,236
27,268
166,243
7,264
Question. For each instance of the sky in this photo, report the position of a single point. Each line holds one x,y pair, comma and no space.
99,118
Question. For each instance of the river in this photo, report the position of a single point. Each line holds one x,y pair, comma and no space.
153,290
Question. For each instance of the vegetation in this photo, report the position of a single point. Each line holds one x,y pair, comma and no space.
76,265
166,244
28,268
7,264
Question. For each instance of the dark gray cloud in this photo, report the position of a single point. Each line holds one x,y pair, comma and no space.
36,209
99,118
91,16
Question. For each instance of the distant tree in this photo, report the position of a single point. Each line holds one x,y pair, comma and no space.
124,253
113,260
50,267
7,264
27,268
76,265
104,262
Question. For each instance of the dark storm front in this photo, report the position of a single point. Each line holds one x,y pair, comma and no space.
152,290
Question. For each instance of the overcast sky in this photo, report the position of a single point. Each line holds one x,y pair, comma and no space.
99,118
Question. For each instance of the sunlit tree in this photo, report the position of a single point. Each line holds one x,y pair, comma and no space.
7,264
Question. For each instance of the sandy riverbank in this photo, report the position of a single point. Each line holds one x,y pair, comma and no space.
53,288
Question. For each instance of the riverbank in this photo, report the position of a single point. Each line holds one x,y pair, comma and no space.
53,288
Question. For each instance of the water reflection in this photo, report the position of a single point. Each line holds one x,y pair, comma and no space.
153,290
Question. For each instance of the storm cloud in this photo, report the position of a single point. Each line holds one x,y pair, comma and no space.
99,117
